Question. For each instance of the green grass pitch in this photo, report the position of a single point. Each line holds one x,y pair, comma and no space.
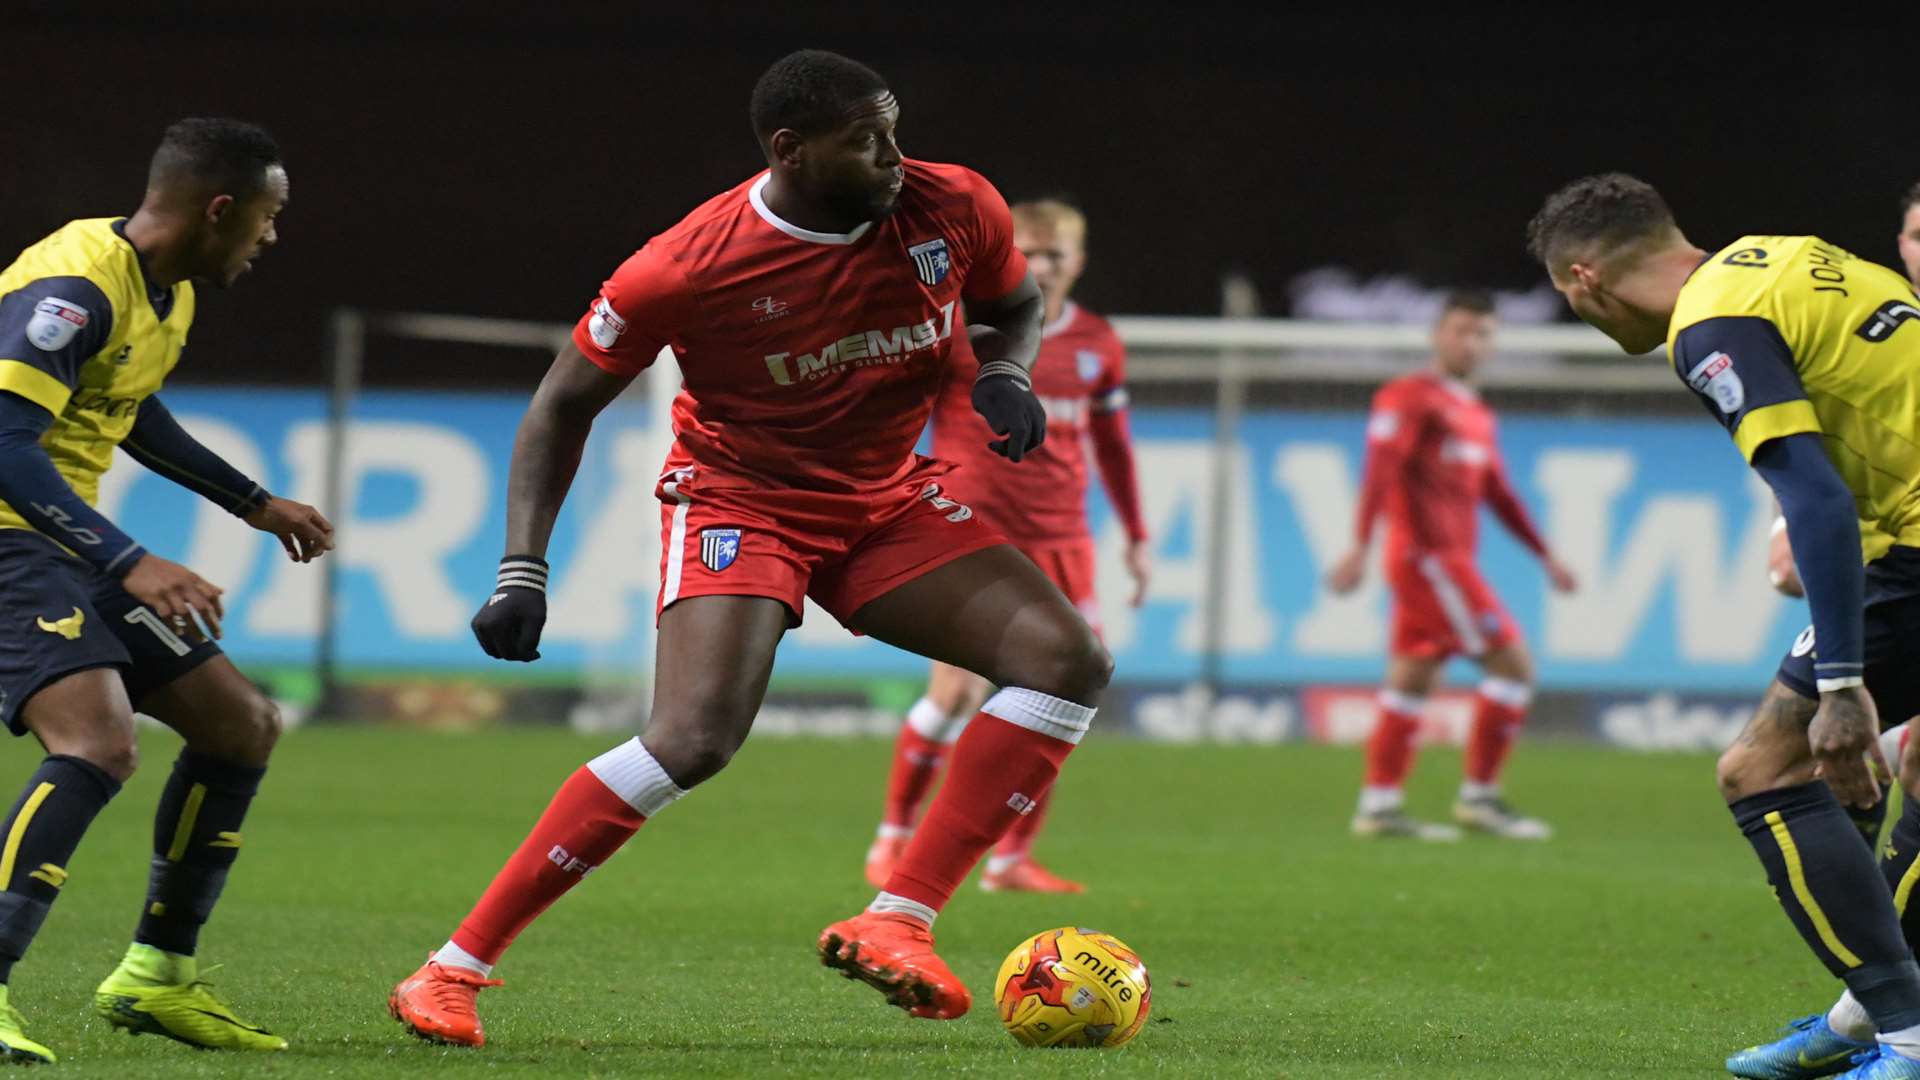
1639,942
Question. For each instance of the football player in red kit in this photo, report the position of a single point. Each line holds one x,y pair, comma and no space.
813,310
1431,461
1041,506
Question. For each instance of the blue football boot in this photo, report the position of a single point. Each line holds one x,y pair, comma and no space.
1810,1048
1881,1063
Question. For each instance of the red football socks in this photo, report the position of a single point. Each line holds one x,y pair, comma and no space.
1497,718
1390,749
1019,839
583,825
1002,768
916,764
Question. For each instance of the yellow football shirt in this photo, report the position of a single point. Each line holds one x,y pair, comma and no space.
84,336
1783,335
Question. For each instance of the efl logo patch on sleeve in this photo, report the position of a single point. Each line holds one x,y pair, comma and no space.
1716,378
54,323
605,327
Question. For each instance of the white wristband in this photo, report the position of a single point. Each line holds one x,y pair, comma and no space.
1828,686
1008,369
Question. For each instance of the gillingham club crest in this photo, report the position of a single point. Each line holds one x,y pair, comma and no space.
718,548
931,261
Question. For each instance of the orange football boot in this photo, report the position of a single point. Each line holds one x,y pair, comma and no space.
894,955
436,1003
1028,876
886,851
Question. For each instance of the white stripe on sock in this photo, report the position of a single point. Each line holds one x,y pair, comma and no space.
1402,702
1035,711
1509,692
632,773
928,719
889,904
1379,800
451,955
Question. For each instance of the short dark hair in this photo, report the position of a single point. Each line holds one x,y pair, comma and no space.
231,155
810,91
1612,210
1472,301
1913,198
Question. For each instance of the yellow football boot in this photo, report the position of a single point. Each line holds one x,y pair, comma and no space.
15,1047
157,993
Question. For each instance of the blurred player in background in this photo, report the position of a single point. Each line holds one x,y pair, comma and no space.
813,310
1041,506
1803,353
1910,233
92,320
1432,459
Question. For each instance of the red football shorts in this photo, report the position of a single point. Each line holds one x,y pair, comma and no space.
730,536
1069,563
1442,607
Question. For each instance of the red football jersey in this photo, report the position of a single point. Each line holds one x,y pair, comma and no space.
810,359
1431,459
1080,377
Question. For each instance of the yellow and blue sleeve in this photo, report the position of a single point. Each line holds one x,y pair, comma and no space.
1743,373
49,327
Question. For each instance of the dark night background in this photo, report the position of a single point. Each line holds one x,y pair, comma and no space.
500,159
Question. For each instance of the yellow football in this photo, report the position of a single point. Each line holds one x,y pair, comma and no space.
1073,987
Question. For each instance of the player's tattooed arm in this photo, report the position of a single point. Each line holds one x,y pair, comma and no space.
547,449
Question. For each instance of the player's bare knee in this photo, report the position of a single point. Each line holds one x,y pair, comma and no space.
110,746
258,727
693,757
1070,664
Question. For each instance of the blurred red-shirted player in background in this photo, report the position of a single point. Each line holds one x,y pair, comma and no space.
1431,460
1040,505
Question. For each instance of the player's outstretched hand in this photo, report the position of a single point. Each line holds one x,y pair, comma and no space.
508,625
303,531
1562,578
176,594
1010,408
1346,574
1844,738
1140,567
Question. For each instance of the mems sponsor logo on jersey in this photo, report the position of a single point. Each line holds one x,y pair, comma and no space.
867,348
1463,452
1065,411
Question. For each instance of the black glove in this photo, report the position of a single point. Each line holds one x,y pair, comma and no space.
508,625
1003,396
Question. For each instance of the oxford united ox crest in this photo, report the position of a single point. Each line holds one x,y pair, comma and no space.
931,261
718,548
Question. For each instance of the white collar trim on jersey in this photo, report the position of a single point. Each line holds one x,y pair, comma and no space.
766,214
1459,388
1067,311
